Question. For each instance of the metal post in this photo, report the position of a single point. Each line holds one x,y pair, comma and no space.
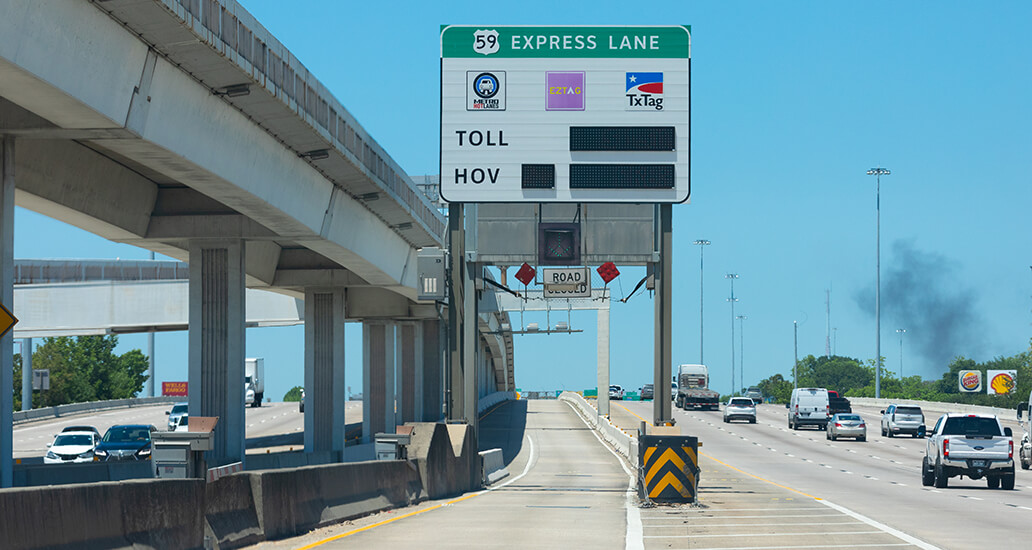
741,349
26,363
795,345
662,414
732,299
877,173
901,332
150,357
702,246
7,298
603,362
457,277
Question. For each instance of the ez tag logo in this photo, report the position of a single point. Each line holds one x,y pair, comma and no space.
485,42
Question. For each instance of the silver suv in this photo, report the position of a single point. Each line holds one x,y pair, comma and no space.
902,419
740,408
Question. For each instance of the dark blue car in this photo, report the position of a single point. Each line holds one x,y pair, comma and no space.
124,443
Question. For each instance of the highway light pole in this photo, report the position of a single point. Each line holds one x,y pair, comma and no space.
702,244
731,277
741,349
795,346
901,332
877,173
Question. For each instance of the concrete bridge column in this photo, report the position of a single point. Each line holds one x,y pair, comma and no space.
410,369
378,392
433,371
7,298
324,369
217,316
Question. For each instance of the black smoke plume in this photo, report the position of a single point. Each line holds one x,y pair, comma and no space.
922,293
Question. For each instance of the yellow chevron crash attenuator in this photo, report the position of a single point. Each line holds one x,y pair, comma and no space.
669,467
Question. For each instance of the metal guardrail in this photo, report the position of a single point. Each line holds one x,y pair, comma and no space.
91,406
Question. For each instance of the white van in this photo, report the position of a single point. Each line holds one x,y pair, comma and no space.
809,406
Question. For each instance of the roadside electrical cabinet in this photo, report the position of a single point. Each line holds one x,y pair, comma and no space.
392,446
180,455
430,267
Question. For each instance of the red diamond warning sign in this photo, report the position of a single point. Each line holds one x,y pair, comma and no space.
608,271
526,273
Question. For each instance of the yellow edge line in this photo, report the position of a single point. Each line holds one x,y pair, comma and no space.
403,516
736,469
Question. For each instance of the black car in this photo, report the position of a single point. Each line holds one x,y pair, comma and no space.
124,443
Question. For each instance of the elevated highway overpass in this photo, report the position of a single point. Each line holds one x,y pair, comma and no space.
184,127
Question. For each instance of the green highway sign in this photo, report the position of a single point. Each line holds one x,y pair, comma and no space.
583,42
565,114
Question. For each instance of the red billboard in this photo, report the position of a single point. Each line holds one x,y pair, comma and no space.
174,389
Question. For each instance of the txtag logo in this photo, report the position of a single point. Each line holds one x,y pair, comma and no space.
644,92
485,90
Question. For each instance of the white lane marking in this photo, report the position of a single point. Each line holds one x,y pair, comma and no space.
803,547
1025,508
779,508
770,516
661,525
822,533
881,526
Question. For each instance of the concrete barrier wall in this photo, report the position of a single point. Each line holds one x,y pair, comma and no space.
493,399
239,509
621,441
80,408
36,475
493,465
292,502
935,407
130,514
447,458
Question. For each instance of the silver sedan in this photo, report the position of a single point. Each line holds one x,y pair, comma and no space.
846,425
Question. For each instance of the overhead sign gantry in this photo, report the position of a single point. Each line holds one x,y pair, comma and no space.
565,114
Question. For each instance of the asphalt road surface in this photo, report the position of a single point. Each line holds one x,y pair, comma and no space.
878,480
565,490
31,438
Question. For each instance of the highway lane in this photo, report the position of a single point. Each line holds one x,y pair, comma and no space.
31,438
879,479
566,490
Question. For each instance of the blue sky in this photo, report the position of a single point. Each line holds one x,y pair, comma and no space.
792,103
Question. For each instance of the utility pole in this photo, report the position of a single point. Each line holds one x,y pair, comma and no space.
878,173
827,323
702,246
731,277
795,345
901,332
741,350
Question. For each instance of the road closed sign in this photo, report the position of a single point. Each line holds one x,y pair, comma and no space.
567,283
565,114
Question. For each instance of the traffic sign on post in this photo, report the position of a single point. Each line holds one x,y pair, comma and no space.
565,114
7,320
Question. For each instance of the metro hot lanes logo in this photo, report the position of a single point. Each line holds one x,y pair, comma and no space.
644,92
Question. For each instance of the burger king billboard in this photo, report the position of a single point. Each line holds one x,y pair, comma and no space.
1002,382
970,381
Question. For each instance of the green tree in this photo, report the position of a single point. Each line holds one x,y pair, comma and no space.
293,395
776,388
86,369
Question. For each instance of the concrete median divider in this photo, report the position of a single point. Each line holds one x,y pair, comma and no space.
128,514
447,458
243,508
493,464
622,442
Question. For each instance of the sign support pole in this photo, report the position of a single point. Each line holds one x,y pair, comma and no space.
454,386
7,298
664,285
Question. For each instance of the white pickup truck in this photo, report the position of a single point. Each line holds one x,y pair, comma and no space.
972,445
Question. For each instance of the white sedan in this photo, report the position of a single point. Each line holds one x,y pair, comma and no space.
71,448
